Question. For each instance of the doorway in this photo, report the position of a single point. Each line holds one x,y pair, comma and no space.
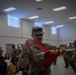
8,48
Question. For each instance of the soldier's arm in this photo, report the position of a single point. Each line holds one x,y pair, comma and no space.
70,50
35,57
53,49
24,60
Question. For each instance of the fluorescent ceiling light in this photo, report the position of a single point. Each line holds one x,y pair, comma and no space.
59,26
38,0
49,22
33,17
9,9
72,17
59,8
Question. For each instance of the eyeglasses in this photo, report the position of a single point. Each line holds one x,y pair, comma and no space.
38,34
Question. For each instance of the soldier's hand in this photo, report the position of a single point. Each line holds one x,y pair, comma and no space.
28,43
63,49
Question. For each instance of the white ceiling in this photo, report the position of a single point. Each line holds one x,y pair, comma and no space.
27,8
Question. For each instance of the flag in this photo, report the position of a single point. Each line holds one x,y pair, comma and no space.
49,57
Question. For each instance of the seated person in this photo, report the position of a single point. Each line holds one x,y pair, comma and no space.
3,66
14,66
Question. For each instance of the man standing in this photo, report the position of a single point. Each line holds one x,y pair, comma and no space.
13,52
19,51
34,58
72,61
1,51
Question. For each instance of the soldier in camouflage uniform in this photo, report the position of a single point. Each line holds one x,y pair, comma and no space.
33,56
72,61
66,59
18,51
65,56
13,52
33,59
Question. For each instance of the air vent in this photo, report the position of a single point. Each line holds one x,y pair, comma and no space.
39,9
69,22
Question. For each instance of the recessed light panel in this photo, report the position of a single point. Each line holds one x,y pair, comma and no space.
49,22
72,17
9,9
59,26
59,8
33,17
38,0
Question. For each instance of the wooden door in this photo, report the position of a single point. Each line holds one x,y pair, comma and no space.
8,48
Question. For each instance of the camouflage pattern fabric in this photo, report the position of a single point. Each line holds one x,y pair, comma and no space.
13,53
36,58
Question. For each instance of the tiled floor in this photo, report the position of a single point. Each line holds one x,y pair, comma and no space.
59,69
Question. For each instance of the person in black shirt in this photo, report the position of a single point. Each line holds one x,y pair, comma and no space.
1,51
3,66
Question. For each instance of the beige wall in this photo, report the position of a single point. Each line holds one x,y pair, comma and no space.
67,34
11,35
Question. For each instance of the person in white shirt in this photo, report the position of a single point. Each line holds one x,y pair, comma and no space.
7,59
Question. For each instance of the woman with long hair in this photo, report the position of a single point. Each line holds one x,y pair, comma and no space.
14,66
7,59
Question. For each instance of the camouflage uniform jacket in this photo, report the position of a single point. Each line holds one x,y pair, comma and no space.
18,51
74,55
13,53
36,58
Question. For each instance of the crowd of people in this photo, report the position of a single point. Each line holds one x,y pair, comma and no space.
9,64
31,60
